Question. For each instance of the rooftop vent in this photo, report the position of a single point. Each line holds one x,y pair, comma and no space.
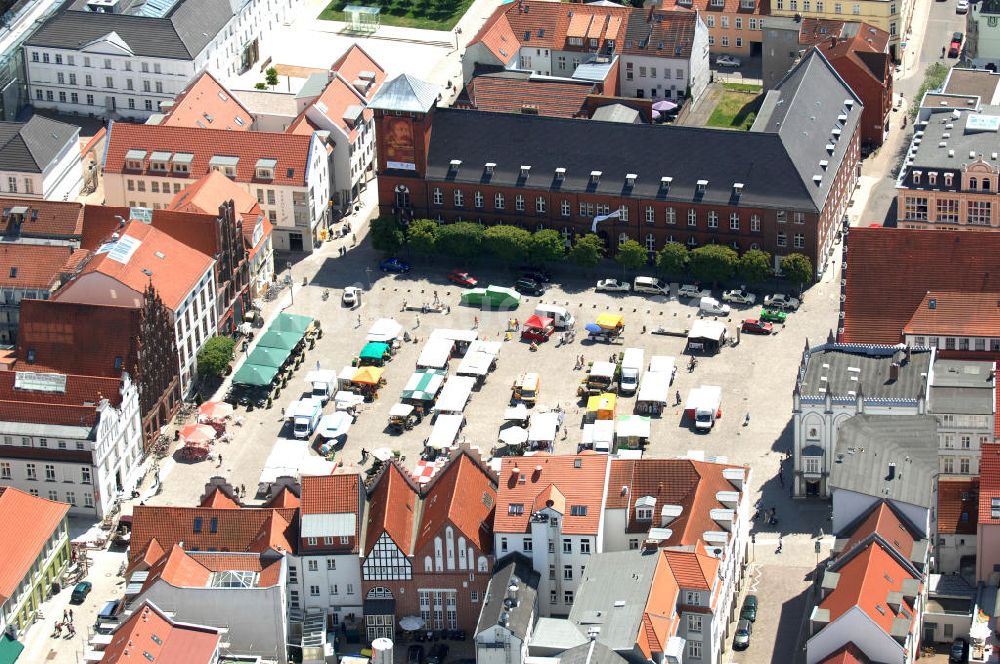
972,154
951,153
849,103
818,179
823,163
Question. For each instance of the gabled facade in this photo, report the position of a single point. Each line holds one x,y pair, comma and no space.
988,528
734,26
510,610
892,16
153,635
40,158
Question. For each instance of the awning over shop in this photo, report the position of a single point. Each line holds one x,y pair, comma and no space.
255,374
10,649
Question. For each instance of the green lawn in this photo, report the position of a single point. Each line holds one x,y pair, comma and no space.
743,87
736,110
423,14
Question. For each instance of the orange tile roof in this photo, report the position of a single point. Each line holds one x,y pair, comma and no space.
886,523
847,654
52,219
541,24
956,314
657,620
391,506
989,482
172,267
582,486
958,504
996,415
36,520
333,494
504,93
193,229
356,60
32,266
462,493
708,7
219,499
889,272
55,331
186,569
284,498
333,102
691,484
290,150
207,104
693,569
211,191
80,391
866,579
246,529
149,635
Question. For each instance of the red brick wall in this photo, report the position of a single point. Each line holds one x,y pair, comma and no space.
876,98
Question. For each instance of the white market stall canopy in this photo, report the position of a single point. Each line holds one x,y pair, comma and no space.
632,426
606,369
479,358
292,458
599,435
423,385
708,329
435,354
518,412
465,336
384,330
445,431
542,427
455,394
654,388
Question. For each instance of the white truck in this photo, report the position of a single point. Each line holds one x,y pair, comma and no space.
324,383
561,318
633,362
305,415
712,307
704,406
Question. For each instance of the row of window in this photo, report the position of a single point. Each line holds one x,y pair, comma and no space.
977,213
109,82
334,589
724,41
528,545
74,98
31,472
70,60
69,497
753,23
947,440
838,8
964,465
650,72
327,541
44,442
29,185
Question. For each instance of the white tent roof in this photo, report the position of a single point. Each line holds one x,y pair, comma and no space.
321,376
455,394
632,426
599,432
401,410
445,431
436,353
335,424
343,400
384,330
293,458
707,329
455,335
654,387
475,363
542,427
602,369
518,412
663,364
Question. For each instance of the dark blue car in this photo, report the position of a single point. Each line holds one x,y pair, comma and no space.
394,265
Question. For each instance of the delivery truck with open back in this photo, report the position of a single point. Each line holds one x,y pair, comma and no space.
704,406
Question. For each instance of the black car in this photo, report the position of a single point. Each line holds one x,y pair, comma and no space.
437,654
415,654
959,651
535,273
749,610
526,286
80,592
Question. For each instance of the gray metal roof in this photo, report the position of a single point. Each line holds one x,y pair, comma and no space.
594,71
612,595
947,141
314,86
593,652
29,147
961,401
555,635
840,369
406,93
328,525
867,444
616,113
962,373
69,432
512,570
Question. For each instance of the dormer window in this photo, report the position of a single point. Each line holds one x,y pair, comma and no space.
823,163
737,189
453,165
948,177
158,161
560,174
916,176
224,164
932,177
595,177
644,508
525,172
264,170
665,183
630,180
182,162
490,167
701,186
134,159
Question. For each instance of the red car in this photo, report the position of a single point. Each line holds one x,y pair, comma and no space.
754,326
462,278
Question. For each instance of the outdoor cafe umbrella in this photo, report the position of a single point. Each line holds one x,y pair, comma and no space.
291,323
593,327
382,453
411,623
279,339
215,410
268,357
514,436
664,105
368,376
197,433
254,374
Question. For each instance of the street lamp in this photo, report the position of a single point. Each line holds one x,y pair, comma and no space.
458,31
368,276
291,282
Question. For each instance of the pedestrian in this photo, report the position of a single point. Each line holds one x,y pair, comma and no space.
781,478
780,544
418,321
72,630
746,419
282,413
436,297
359,321
475,324
354,239
220,460
71,616
517,325
447,309
243,490
65,615
677,398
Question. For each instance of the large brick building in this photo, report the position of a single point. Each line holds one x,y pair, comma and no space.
782,187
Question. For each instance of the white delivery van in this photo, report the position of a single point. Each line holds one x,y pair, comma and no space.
306,414
712,307
561,318
633,361
324,383
651,286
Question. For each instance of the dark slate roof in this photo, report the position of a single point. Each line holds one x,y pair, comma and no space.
182,35
592,652
30,146
513,569
842,368
804,109
867,444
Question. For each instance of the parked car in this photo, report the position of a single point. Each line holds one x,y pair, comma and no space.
437,653
394,265
739,296
749,610
962,7
613,286
955,47
538,274
526,286
80,592
415,654
959,651
462,279
744,628
727,61
690,290
773,316
754,326
781,301
351,297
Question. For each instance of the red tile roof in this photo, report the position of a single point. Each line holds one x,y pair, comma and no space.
707,7
509,94
866,580
691,484
186,569
32,266
958,505
996,415
208,193
173,268
332,104
356,60
847,654
657,619
284,498
77,406
245,529
462,493
391,506
580,478
291,151
989,483
198,231
55,332
667,32
31,521
207,104
889,271
52,219
693,569
956,314
219,499
149,635
331,494
885,522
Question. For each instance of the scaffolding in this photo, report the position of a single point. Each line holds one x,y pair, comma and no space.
362,20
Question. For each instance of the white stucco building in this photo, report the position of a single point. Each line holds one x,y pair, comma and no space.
963,400
72,439
40,158
509,613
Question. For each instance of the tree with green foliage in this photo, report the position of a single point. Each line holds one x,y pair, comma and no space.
631,255
387,235
798,269
587,251
673,259
215,356
506,243
754,266
462,239
421,236
261,85
271,76
546,246
934,77
713,263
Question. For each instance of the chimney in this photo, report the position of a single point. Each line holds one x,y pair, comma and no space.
894,372
833,41
892,471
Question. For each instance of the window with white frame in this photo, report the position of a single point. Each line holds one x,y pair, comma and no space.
782,240
478,199
799,240
498,201
978,213
671,215
459,198
692,217
713,219
519,203
734,221
564,208
692,597
755,223
694,649
650,214
540,205
438,196
694,622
